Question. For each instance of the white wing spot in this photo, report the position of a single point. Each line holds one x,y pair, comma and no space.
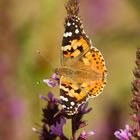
64,35
76,31
72,103
70,33
67,34
63,98
68,24
66,99
63,106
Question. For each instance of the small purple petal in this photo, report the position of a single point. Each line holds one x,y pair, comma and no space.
127,128
91,133
85,135
62,121
50,96
88,110
83,108
43,97
55,76
123,134
57,129
49,82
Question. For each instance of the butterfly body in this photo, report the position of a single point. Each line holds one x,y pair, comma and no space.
78,73
82,72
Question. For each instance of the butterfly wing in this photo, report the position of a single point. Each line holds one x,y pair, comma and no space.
94,62
88,65
75,43
71,95
91,72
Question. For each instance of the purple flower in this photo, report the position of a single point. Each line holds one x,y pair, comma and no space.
123,134
50,98
51,109
53,81
135,101
43,97
55,77
84,135
77,119
57,129
83,108
52,120
49,82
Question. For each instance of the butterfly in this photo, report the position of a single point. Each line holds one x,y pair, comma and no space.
82,72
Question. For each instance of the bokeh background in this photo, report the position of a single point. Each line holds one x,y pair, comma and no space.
28,26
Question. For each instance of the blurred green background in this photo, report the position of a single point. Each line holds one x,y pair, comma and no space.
28,26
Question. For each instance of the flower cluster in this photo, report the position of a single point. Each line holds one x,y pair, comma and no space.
123,134
133,131
54,119
135,102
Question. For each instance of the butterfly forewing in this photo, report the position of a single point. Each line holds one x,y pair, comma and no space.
75,43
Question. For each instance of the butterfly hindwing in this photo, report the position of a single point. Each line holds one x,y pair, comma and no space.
91,72
94,60
71,95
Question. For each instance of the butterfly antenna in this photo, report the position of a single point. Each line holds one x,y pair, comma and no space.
46,59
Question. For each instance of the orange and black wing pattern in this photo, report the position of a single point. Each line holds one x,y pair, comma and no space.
75,43
86,63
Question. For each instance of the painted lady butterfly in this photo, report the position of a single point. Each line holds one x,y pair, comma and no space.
82,72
